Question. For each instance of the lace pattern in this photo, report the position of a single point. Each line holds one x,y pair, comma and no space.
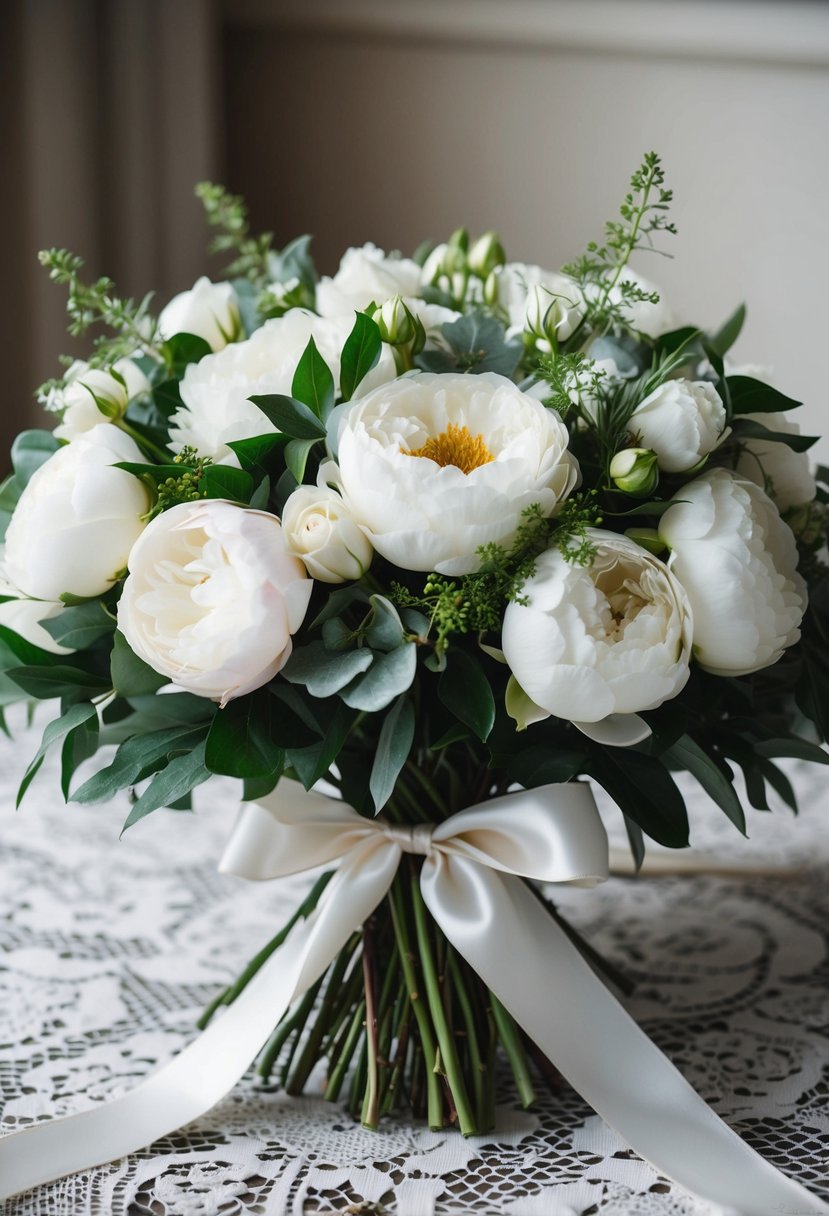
111,949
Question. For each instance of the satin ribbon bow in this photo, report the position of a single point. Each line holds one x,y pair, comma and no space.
472,882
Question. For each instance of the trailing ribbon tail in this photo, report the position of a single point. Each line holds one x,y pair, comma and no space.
471,882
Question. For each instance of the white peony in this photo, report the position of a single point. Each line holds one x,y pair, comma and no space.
682,421
92,395
613,637
433,466
213,597
319,530
208,310
737,560
366,275
215,390
77,519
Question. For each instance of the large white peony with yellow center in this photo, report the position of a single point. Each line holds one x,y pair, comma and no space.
434,466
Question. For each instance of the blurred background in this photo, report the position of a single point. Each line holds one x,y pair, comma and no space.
396,120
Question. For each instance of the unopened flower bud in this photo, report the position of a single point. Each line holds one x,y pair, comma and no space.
395,321
491,294
635,471
460,279
486,253
459,240
550,317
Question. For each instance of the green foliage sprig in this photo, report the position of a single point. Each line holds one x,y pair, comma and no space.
88,304
228,214
599,271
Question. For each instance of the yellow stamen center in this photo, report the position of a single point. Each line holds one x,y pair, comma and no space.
458,446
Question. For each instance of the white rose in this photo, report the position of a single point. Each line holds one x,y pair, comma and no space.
320,531
737,561
208,310
213,597
215,390
26,616
87,386
366,275
610,638
77,519
682,421
433,466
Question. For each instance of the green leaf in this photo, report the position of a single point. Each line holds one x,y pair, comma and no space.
296,456
239,742
747,428
545,765
223,481
262,454
81,625
360,354
55,732
385,629
289,416
636,841
687,754
10,492
131,676
26,652
294,262
727,335
184,348
58,680
389,675
750,396
778,781
312,763
645,792
175,781
464,690
136,759
393,747
798,749
79,745
478,343
313,383
29,451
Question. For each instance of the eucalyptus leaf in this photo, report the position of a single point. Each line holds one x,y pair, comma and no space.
176,780
385,629
389,675
137,758
324,672
80,626
477,343
393,747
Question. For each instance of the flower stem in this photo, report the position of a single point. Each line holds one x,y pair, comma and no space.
510,1036
369,1114
287,1025
477,1066
434,1102
344,1054
448,1050
311,1051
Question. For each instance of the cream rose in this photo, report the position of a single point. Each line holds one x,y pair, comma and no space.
737,561
682,421
366,275
215,390
213,597
208,310
319,530
613,637
77,519
92,395
433,466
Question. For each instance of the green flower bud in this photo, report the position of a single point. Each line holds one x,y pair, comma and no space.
396,322
491,293
647,538
459,240
486,254
635,471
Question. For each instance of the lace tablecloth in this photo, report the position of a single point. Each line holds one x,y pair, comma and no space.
111,949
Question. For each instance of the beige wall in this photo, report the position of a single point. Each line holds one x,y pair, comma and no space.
395,121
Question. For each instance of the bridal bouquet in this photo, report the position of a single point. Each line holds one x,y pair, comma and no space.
447,533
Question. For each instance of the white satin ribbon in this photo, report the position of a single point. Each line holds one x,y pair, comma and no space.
471,881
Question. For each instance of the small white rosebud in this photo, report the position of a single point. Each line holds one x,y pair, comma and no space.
635,471
92,395
208,310
682,421
395,321
550,317
486,253
320,530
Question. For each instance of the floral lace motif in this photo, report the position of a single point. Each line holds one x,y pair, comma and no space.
111,950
